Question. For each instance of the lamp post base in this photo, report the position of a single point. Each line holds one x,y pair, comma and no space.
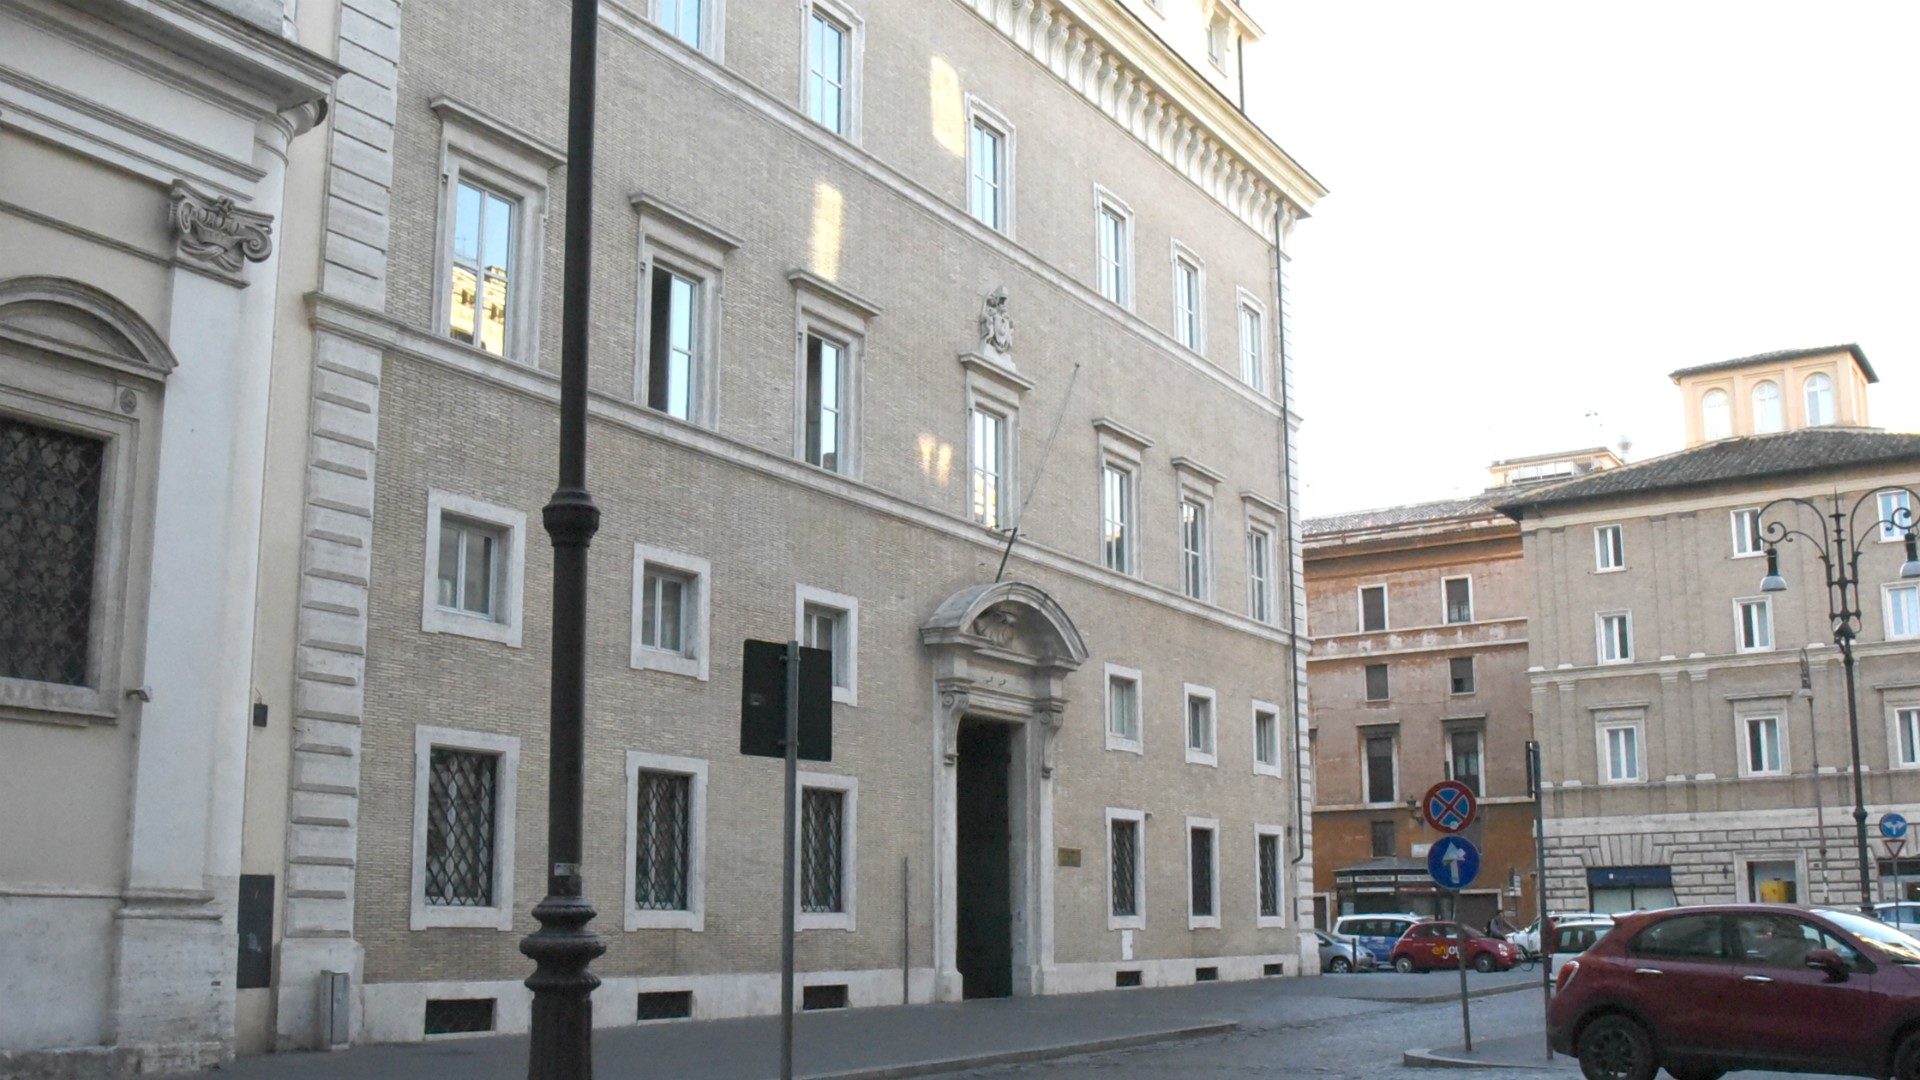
562,1045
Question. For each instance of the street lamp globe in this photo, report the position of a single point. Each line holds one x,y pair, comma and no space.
1773,582
1911,568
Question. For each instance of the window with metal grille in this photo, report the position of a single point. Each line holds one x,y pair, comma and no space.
49,516
822,850
1200,871
662,832
1126,868
461,817
1269,876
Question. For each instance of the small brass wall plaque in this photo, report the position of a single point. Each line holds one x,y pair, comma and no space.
1069,856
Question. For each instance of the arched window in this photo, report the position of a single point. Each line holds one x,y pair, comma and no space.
1819,399
1766,408
1716,417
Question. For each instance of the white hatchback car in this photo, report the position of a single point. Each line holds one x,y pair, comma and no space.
1528,940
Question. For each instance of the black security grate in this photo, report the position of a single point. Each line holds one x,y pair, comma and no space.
662,841
49,514
1200,871
1206,974
664,1005
1124,979
821,854
1269,876
829,996
1126,872
460,828
458,1016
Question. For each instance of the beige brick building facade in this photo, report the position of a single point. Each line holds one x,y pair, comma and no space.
866,277
1686,762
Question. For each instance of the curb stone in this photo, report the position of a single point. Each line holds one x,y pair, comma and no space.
1437,999
1031,1054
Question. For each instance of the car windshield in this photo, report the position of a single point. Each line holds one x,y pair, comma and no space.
1898,945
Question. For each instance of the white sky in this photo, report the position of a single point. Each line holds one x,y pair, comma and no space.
1541,208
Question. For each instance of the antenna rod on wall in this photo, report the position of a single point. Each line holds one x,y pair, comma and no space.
1046,451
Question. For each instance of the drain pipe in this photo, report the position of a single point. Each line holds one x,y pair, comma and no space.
1294,613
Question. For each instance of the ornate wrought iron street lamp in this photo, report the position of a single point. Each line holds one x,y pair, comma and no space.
1836,542
562,1043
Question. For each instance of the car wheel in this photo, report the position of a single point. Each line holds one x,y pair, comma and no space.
1695,1072
1340,965
1403,965
1906,1061
1483,963
1615,1047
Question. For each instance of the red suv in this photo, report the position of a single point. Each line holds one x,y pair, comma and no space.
1430,945
1706,990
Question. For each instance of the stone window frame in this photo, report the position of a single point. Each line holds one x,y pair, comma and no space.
981,114
998,391
851,96
1600,637
849,787
1190,693
1743,870
1601,548
1262,921
505,626
1739,624
1603,761
1903,700
1136,921
1885,501
1106,202
1136,745
1366,682
825,310
512,163
695,916
1278,765
713,28
1366,733
1886,608
1360,607
678,241
1124,449
498,916
849,609
1197,921
1181,253
1247,303
1195,483
1743,748
1740,537
1446,607
1477,727
694,658
50,378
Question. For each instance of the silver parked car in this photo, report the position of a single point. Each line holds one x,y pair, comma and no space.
1341,955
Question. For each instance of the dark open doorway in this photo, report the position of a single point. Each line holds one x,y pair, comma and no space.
983,938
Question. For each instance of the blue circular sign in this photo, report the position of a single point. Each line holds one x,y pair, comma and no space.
1453,862
1893,826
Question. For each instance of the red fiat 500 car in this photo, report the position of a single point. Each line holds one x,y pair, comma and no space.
1705,990
1430,945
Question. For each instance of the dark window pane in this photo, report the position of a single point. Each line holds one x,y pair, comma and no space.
1126,871
1686,937
1380,785
1384,841
1376,682
460,828
49,514
1459,600
1200,871
1460,674
662,841
1269,876
1373,608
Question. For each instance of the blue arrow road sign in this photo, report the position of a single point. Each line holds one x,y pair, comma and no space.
1893,826
1453,863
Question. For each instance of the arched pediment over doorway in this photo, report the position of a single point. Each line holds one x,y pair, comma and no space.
1018,621
80,321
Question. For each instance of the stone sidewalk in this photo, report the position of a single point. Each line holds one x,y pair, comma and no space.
900,1041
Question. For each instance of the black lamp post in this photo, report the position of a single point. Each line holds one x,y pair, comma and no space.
562,1043
1836,540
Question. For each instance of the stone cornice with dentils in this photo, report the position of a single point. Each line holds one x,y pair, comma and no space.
1107,57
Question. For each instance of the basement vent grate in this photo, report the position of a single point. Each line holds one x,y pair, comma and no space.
830,996
459,1016
665,1005
1126,978
1274,969
1206,974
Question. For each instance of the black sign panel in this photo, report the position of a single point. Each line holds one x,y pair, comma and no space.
763,702
255,920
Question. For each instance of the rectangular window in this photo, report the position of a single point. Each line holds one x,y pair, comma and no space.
1124,852
1123,709
469,566
1116,518
1373,608
673,351
1460,675
986,451
1906,731
1896,515
1381,782
1260,575
665,598
1609,548
1266,738
1620,750
1763,745
1463,759
1115,265
663,841
1193,549
1186,303
482,267
827,54
1616,638
1746,533
826,371
1200,873
1267,864
830,620
1903,611
50,517
1200,740
1459,598
1753,627
1377,687
681,18
1385,843
461,816
823,856
1253,367
825,628
987,175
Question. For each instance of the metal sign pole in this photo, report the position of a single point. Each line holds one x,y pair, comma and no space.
788,858
1466,1020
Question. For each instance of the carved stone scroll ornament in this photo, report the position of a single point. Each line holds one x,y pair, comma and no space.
996,325
212,229
953,706
1050,715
